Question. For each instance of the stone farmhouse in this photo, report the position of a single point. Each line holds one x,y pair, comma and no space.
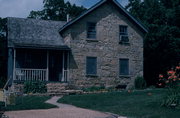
101,47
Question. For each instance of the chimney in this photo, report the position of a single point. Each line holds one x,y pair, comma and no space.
67,17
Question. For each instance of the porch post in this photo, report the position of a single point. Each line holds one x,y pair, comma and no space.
14,66
63,69
47,69
68,62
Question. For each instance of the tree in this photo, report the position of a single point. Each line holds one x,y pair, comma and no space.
2,27
2,45
57,10
162,43
3,57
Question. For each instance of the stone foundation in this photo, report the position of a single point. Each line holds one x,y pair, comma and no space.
52,88
17,88
56,87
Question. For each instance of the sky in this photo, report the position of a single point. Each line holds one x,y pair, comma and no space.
22,8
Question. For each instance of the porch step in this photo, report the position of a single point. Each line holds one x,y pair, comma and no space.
61,89
66,92
56,87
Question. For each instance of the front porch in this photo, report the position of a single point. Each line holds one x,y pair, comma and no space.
40,65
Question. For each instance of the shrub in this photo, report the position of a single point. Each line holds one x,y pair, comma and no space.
35,87
172,79
93,88
172,82
140,83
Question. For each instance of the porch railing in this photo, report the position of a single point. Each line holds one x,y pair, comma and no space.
30,74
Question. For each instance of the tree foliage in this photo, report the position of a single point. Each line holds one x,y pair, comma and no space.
3,57
162,43
57,10
2,27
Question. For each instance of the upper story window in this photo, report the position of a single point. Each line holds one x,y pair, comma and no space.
123,34
124,66
91,30
91,66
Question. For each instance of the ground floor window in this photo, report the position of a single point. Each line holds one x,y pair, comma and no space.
124,66
91,66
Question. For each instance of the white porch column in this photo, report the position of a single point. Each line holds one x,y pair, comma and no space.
63,68
14,66
68,65
47,69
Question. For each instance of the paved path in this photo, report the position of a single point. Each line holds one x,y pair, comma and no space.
64,111
54,100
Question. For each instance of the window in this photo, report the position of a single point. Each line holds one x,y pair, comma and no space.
123,34
91,30
91,66
124,66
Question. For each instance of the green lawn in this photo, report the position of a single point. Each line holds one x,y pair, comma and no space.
137,104
30,102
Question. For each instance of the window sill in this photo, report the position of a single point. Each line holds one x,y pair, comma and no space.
124,43
92,40
91,76
125,76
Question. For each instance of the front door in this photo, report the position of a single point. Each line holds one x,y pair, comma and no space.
55,65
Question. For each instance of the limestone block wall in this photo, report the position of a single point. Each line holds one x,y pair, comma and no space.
106,48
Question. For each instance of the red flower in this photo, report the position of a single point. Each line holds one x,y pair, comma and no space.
171,72
177,67
167,81
160,76
170,77
174,76
160,84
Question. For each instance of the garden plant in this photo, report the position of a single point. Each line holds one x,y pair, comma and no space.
171,81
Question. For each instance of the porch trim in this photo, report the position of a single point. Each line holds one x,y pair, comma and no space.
63,71
14,66
47,70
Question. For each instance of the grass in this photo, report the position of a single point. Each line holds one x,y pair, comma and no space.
138,104
29,103
1,107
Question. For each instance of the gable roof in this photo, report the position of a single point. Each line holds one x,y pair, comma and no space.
34,32
140,25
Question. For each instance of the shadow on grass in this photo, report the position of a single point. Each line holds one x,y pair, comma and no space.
29,103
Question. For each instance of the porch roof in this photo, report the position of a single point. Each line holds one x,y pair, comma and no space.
34,32
46,47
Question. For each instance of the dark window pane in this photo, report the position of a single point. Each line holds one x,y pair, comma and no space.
123,30
91,30
91,65
123,34
124,66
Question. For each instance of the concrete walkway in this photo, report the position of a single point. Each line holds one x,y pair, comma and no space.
54,100
64,111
